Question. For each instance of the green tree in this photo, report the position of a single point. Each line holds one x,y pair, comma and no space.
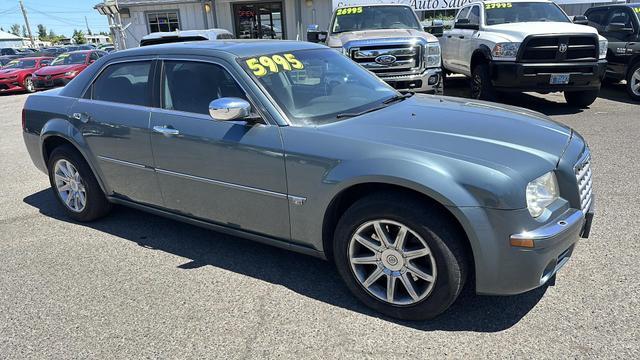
51,35
15,29
42,32
78,36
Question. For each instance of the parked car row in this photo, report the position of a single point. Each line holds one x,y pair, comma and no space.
37,73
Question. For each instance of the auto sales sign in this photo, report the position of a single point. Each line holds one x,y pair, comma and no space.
417,5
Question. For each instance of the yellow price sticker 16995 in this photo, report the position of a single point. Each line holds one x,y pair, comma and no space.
499,5
349,10
264,65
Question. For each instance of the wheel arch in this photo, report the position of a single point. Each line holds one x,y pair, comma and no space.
349,195
481,54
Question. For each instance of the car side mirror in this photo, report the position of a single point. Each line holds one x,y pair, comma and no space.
229,108
314,35
580,20
618,27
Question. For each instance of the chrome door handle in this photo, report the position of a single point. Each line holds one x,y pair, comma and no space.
165,130
84,117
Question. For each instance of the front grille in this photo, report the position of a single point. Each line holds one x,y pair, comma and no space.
544,48
408,59
585,185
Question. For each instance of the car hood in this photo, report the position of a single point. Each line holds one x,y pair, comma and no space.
4,72
520,143
58,69
340,39
516,32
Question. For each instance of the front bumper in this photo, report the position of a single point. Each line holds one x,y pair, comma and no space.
515,76
430,81
10,86
503,269
42,82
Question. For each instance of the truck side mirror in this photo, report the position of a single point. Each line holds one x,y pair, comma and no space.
314,35
465,24
580,20
436,28
619,28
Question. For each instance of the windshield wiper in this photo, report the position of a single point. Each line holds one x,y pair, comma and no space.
401,97
346,115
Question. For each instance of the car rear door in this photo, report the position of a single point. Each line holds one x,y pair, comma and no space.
230,173
114,120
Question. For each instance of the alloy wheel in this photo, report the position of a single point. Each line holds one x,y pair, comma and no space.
634,84
28,84
392,262
70,185
476,86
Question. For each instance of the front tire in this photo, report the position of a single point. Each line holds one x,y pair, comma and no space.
74,185
28,84
400,256
481,86
581,99
633,82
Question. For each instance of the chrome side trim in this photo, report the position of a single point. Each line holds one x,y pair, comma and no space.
223,183
296,200
565,222
125,163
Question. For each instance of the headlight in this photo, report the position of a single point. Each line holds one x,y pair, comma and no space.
70,73
433,54
602,46
505,50
541,192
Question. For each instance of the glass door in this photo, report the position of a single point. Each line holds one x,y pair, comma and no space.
259,20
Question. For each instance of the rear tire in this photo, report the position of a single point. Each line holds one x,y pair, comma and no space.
74,185
481,86
633,82
581,99
427,230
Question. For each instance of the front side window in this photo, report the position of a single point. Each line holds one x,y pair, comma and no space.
20,64
598,18
517,12
70,59
359,18
474,15
125,83
190,86
317,86
163,21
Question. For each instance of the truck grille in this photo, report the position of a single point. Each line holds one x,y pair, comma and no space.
544,48
585,189
408,59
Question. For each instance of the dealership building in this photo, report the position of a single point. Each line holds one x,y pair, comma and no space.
267,19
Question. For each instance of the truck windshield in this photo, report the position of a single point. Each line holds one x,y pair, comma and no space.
318,86
373,18
516,12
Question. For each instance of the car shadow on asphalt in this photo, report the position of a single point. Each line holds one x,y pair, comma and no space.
302,274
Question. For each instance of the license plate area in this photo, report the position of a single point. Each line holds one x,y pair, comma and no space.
559,79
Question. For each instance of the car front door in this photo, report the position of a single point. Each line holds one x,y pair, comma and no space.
227,172
468,40
619,39
454,39
113,117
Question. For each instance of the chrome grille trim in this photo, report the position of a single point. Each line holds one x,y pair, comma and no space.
409,53
585,184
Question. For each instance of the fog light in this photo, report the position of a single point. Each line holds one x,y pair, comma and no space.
433,79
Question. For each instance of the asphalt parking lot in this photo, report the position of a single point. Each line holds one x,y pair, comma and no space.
135,285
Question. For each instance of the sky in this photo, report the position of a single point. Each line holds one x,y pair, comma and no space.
62,16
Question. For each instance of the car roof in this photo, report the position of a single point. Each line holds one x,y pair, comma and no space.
35,58
235,47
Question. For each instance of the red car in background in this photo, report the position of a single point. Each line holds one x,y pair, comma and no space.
65,68
17,74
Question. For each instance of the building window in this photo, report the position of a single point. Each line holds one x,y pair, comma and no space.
263,20
163,21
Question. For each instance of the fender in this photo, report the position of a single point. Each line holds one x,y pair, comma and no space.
64,129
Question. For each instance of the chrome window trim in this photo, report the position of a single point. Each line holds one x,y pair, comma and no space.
216,61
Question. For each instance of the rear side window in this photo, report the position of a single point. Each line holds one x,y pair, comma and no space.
190,86
125,83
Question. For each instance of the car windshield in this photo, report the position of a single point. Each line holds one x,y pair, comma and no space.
374,17
516,12
318,86
20,64
69,59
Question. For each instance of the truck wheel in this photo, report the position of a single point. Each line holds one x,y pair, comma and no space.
400,257
481,87
633,82
75,186
581,99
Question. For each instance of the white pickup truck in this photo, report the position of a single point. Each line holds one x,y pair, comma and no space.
525,45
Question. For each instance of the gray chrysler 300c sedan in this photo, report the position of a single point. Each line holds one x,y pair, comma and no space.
295,145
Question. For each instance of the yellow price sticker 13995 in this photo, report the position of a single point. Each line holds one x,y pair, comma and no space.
500,5
349,11
264,65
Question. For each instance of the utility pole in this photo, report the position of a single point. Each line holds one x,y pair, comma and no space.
26,21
